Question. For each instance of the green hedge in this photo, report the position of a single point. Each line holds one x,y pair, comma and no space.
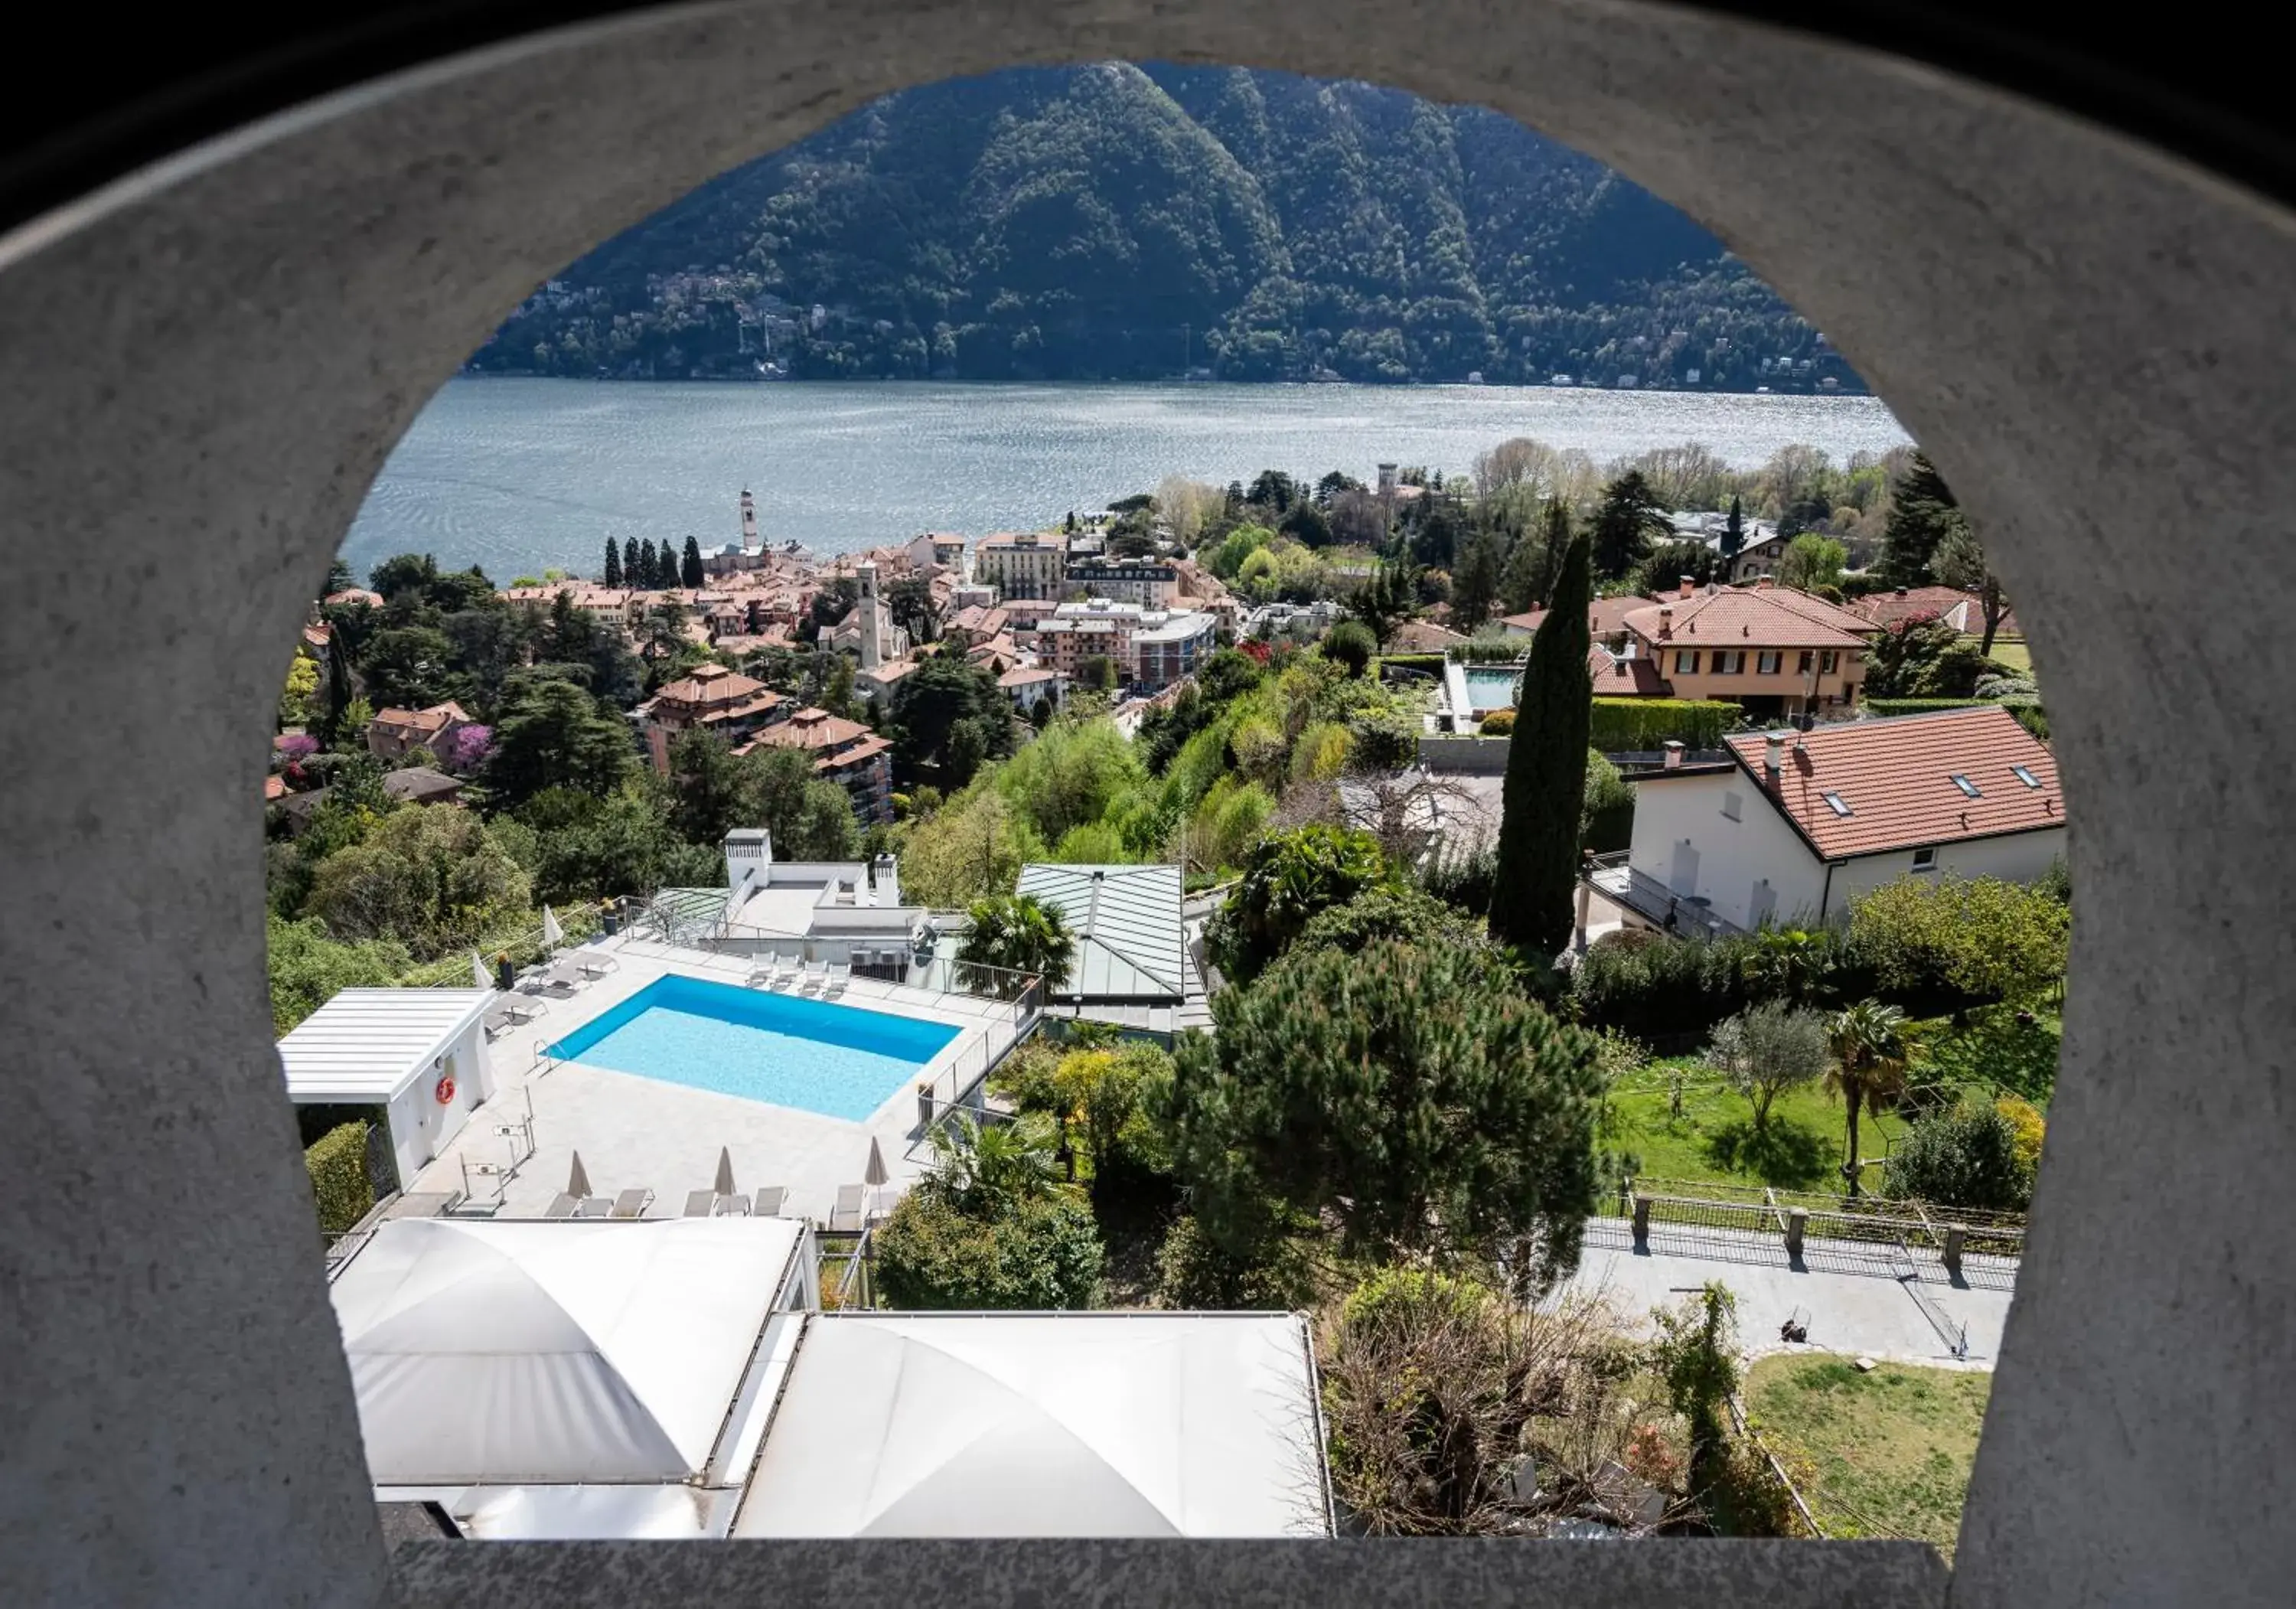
1489,651
2027,714
1639,725
1432,664
337,1162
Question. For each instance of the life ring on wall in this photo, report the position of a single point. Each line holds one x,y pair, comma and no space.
445,1090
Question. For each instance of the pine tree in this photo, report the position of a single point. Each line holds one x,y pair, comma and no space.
649,568
613,577
1475,584
1922,514
1546,772
1624,524
1733,537
689,571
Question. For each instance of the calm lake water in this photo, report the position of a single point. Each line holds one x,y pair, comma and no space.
518,475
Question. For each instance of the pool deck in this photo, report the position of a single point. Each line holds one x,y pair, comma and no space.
641,1132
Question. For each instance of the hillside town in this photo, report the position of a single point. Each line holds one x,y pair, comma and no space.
1042,921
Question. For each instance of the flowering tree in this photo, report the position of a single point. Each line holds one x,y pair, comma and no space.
294,748
468,748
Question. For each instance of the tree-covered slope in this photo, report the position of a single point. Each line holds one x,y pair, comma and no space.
1123,222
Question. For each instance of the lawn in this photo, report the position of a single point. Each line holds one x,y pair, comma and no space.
1714,1137
2013,654
1887,1453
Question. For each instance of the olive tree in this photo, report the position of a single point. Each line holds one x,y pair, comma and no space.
1770,1048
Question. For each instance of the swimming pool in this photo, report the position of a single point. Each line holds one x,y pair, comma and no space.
1491,687
840,1061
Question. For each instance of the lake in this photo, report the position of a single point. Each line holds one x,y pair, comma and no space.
520,475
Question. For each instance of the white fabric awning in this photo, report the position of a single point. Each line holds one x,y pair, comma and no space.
364,1045
1006,1424
580,1352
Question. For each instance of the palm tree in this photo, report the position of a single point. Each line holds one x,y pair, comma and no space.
1790,964
1870,1053
978,1164
1015,936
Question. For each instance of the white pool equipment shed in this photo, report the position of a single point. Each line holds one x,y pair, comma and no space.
420,1054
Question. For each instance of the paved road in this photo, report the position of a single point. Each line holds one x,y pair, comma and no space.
1848,1295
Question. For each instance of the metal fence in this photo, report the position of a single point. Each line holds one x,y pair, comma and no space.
1879,1222
523,946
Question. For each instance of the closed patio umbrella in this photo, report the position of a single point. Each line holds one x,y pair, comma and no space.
479,978
874,1175
725,1186
577,1181
552,933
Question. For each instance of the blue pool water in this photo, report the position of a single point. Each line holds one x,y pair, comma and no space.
840,1061
1491,687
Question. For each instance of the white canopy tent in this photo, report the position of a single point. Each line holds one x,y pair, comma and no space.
419,1053
592,1352
1003,1424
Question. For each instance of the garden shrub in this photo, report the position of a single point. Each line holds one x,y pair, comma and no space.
1037,1252
337,1163
1606,815
1389,911
1621,725
1932,943
1661,988
1287,879
1194,1270
1498,723
1968,1157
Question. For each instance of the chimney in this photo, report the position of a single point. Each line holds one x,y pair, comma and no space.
1673,746
1774,748
1689,587
1665,623
884,877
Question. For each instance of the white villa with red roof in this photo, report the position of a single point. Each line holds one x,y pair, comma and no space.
1794,825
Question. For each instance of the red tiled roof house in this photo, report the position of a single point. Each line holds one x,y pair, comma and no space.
1794,825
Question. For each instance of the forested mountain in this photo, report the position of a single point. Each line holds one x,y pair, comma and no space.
1136,222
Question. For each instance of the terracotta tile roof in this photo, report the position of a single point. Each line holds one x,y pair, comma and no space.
1422,636
1888,608
715,688
1616,677
273,788
860,753
423,723
1607,615
355,594
1749,617
1008,538
1027,676
319,636
1896,777
812,728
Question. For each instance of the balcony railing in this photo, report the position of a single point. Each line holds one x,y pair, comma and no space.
1613,878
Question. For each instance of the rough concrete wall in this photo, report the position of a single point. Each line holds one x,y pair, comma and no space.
207,366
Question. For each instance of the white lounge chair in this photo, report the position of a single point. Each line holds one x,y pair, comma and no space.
700,1204
564,1206
770,1200
815,975
514,1012
787,971
595,962
631,1203
845,1215
767,974
566,974
840,973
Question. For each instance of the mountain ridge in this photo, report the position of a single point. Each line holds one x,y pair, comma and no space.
1127,222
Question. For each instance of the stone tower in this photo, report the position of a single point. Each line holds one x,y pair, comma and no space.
749,521
871,651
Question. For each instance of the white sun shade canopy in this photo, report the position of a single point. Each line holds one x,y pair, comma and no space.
365,1045
1007,1425
581,1352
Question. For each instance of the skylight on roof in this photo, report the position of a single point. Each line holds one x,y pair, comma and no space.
2024,774
1965,785
1837,804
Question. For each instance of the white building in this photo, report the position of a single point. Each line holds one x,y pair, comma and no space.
419,1053
827,910
1022,564
668,1379
1793,826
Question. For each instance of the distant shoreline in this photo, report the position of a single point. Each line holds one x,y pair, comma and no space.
1812,394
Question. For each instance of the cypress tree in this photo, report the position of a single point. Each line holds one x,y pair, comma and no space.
690,572
1546,772
1734,535
613,577
648,567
